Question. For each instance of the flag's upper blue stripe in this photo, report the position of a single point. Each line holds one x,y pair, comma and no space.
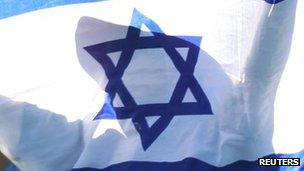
14,7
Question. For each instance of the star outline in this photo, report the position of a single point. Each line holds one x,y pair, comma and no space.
185,81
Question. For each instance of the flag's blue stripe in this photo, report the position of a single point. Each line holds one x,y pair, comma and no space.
192,164
14,7
273,1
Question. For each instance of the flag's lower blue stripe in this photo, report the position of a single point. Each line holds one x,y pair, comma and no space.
273,1
192,164
14,7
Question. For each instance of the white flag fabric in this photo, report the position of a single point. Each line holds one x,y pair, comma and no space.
152,85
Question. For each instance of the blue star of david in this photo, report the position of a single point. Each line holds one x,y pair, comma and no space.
186,80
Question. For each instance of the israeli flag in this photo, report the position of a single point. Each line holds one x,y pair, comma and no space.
152,85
